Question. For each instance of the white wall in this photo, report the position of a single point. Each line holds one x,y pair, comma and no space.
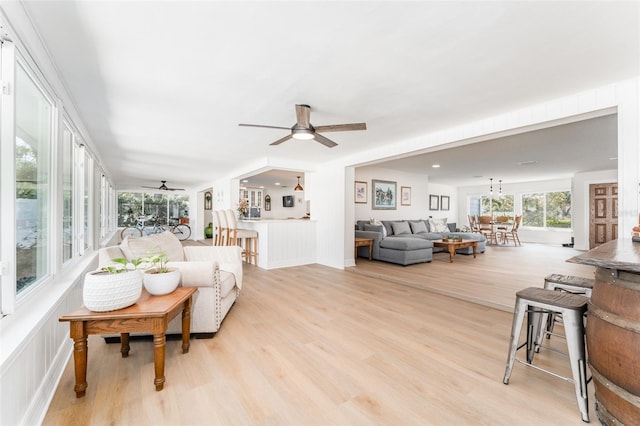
277,210
419,184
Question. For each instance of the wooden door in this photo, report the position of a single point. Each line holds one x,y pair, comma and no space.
603,221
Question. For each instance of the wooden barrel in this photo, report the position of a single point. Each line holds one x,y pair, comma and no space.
613,345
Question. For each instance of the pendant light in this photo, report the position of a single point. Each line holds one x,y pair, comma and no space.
298,188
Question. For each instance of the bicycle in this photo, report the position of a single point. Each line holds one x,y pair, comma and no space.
180,230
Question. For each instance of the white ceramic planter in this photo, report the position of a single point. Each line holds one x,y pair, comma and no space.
104,292
159,284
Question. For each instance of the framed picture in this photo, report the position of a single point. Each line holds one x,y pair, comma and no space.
444,202
434,202
383,194
405,195
360,192
207,200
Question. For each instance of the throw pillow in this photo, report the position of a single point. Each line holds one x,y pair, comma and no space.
375,221
439,225
400,228
418,227
164,242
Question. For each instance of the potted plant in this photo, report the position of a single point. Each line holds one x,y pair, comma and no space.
113,287
158,278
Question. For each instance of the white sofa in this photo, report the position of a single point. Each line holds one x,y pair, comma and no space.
216,271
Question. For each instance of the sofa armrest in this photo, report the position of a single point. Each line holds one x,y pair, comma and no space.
106,254
197,273
376,236
229,258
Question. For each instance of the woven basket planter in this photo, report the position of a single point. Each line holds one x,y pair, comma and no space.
104,291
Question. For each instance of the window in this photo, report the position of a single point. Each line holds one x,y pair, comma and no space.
547,209
67,193
34,130
166,207
495,206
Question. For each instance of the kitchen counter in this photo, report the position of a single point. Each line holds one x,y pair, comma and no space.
283,242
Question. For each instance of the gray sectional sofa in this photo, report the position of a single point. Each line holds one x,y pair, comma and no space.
406,242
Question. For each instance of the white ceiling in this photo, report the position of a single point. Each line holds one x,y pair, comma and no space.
162,85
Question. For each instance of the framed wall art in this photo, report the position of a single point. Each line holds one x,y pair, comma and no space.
383,194
207,200
444,202
405,195
434,202
360,192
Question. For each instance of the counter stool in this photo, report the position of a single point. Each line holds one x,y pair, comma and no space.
570,284
245,238
572,307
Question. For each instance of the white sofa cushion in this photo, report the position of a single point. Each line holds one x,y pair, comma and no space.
164,242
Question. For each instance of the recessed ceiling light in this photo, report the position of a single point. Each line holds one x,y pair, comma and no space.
526,163
613,158
245,180
436,166
277,184
478,176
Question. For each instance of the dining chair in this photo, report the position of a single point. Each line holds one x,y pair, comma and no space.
473,223
512,234
485,226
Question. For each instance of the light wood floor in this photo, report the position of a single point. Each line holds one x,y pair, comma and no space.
313,345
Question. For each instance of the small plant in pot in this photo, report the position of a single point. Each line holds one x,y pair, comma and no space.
158,278
113,287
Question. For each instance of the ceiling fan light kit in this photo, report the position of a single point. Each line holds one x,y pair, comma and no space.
304,130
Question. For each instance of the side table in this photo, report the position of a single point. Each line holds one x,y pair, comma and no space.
149,313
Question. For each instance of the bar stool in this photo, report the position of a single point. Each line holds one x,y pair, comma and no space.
245,238
222,231
570,284
572,307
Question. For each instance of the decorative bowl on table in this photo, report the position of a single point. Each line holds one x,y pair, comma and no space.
452,238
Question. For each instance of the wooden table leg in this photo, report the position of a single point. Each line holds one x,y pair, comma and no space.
452,253
159,346
124,344
80,350
370,250
475,249
186,326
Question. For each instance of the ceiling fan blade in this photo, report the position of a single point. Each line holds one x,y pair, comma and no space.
324,141
303,112
175,189
266,127
341,127
279,141
150,187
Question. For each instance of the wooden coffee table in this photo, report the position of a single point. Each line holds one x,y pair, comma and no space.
149,313
453,245
362,242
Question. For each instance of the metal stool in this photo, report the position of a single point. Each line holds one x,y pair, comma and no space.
570,284
536,301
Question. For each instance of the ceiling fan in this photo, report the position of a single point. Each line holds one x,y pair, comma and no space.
164,187
304,130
